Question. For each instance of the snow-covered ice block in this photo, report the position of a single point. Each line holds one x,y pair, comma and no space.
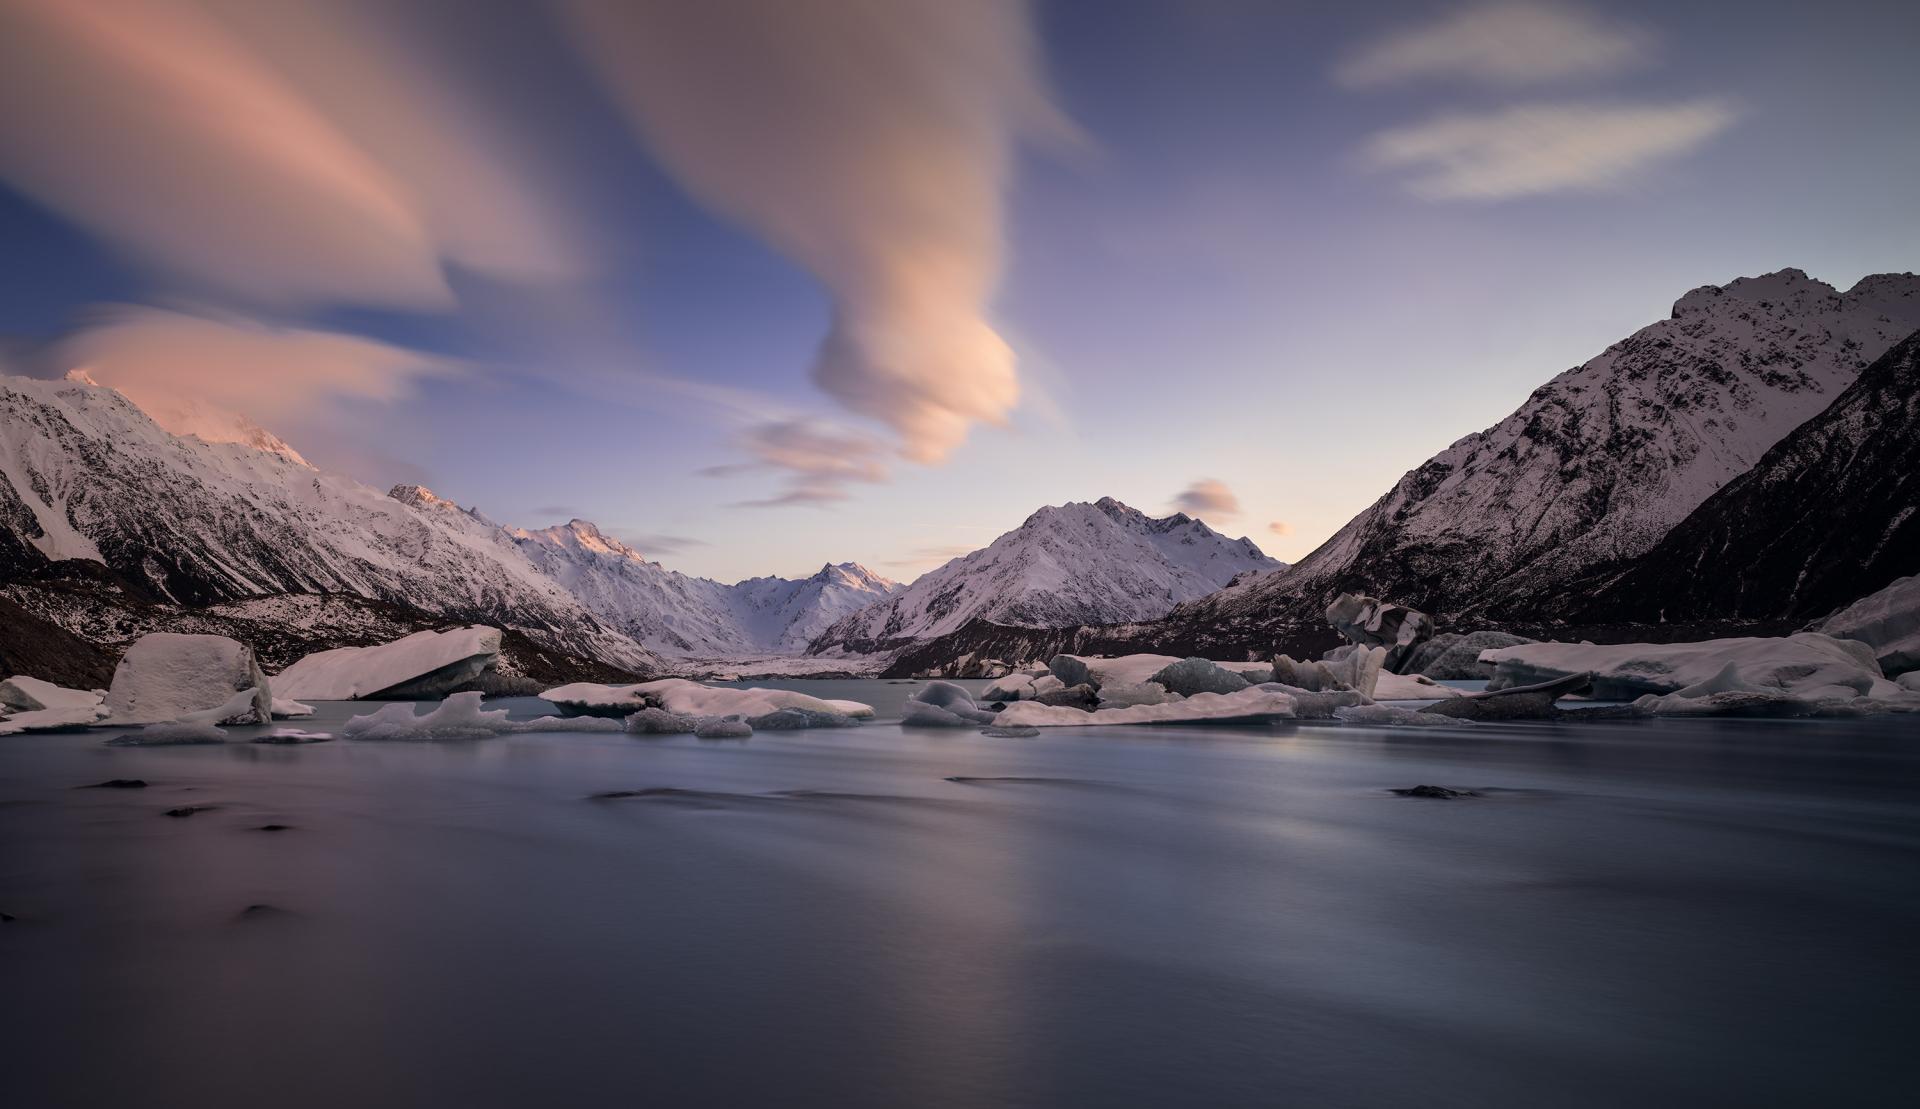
165,677
1099,670
1888,621
423,665
1254,705
286,708
23,694
1808,665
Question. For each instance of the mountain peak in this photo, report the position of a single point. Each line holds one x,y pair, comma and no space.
1786,286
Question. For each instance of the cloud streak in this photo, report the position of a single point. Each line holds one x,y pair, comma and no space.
870,143
1505,44
1531,149
271,151
1208,498
819,461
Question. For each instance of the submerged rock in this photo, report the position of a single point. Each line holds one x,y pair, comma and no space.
1437,793
1012,732
119,783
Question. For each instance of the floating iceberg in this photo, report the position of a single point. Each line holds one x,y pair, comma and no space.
420,666
166,677
1099,671
1021,685
1807,665
1453,655
39,706
689,698
1409,687
1392,716
1887,621
944,705
461,717
1196,675
1370,622
1255,705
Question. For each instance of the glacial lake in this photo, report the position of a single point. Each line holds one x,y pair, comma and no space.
1642,913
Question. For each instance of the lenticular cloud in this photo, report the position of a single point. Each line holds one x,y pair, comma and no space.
870,143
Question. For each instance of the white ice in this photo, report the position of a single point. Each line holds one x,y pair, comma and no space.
349,673
1252,705
165,677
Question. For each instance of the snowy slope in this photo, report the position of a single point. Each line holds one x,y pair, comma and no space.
85,474
1601,461
677,614
1831,512
1072,564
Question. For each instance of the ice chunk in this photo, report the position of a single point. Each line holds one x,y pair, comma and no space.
945,705
422,666
1807,665
1370,622
1120,695
1098,670
165,677
1360,668
1727,702
458,717
23,694
1409,687
660,722
1453,656
1391,715
792,719
44,707
1197,675
1887,621
723,727
1254,705
690,698
286,708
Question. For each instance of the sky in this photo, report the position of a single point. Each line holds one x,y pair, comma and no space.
758,286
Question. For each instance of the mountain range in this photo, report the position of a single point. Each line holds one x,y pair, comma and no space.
1732,462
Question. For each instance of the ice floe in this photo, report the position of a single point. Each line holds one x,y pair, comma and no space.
31,705
689,698
1808,665
945,705
1887,621
421,666
461,717
1254,705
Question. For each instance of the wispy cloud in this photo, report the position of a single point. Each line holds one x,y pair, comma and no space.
655,543
1500,44
191,372
869,142
1542,148
270,151
1208,498
1280,527
819,461
923,556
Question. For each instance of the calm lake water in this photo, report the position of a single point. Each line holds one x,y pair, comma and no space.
1671,913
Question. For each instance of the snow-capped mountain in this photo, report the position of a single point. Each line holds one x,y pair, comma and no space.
1072,564
678,614
86,474
1600,462
1830,514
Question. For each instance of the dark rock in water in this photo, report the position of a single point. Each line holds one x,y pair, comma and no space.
260,912
1198,675
119,783
1438,793
188,810
7,918
1081,696
1071,671
1011,731
274,828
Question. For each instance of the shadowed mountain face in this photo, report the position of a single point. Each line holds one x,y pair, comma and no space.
1831,513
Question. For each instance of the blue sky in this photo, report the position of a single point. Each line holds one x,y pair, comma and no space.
581,259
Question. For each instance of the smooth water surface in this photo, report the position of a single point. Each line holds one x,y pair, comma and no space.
1635,913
